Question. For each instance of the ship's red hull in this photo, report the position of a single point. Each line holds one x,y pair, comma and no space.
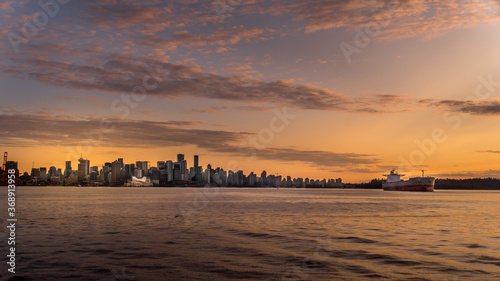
421,188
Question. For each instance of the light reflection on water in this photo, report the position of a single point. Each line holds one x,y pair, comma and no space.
105,233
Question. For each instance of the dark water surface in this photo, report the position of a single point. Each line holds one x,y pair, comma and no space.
106,233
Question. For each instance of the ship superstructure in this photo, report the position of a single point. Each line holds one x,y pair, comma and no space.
395,182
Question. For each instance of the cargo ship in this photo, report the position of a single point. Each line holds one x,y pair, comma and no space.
395,183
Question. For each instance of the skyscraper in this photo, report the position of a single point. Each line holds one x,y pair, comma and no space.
145,167
180,158
35,173
11,165
184,170
67,170
199,175
86,166
230,178
43,173
252,179
83,169
116,167
127,171
94,175
240,177
138,173
170,171
177,171
138,165
263,178
52,171
223,177
105,172
209,174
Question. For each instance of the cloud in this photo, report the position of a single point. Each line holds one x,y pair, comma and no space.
7,6
28,130
163,26
255,108
243,69
148,16
471,174
34,131
219,109
312,157
221,37
490,107
397,19
484,108
121,73
488,151
183,123
120,38
317,158
66,98
212,109
153,28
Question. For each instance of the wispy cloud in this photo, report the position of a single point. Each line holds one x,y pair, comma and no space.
488,151
25,130
221,37
35,130
403,19
317,158
488,107
121,73
220,109
491,173
110,60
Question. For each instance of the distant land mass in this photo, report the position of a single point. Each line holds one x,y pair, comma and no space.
468,184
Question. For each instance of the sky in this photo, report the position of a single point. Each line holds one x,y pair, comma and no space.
318,89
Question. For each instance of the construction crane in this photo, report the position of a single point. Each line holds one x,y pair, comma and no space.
4,166
3,171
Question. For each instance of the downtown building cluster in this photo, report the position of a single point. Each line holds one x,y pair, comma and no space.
166,173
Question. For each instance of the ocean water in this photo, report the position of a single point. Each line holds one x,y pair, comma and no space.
109,233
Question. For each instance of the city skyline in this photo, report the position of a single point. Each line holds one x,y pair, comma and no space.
349,89
165,173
